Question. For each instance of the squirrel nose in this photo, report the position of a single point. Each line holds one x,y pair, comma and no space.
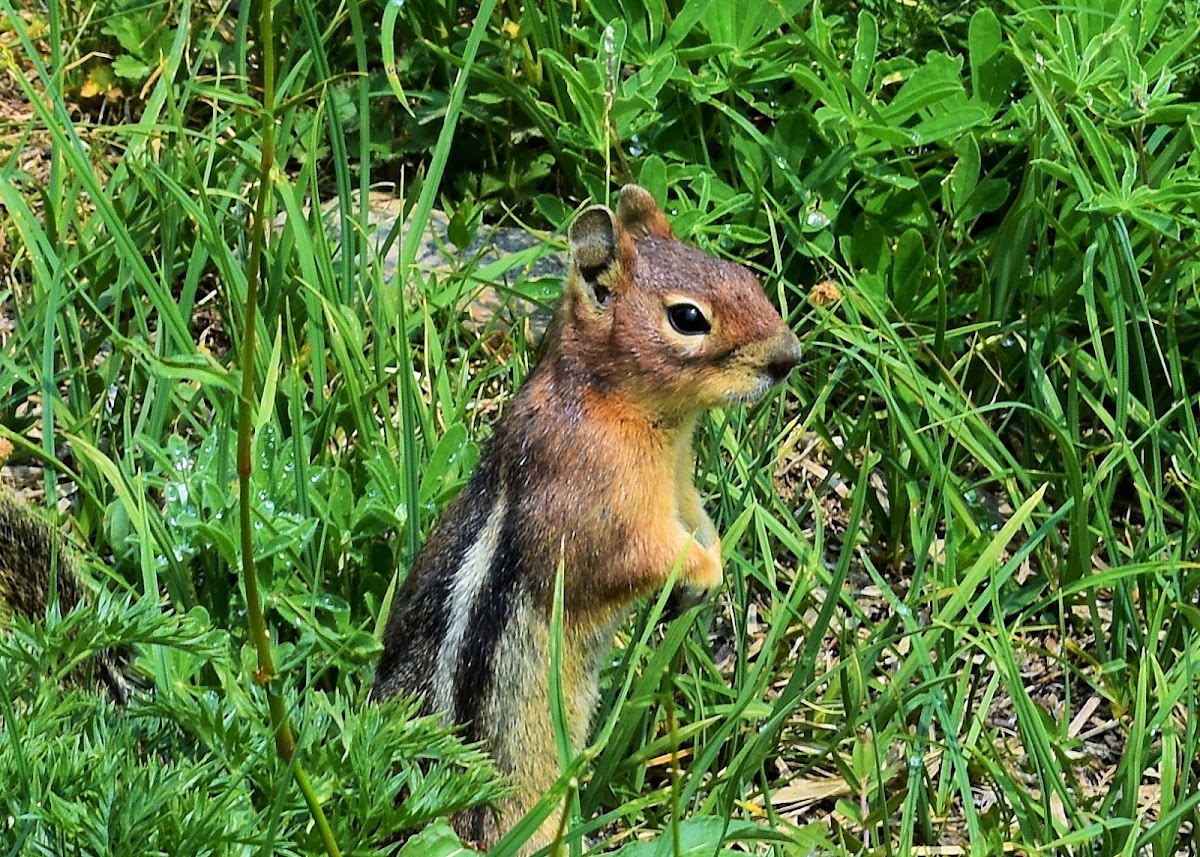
784,359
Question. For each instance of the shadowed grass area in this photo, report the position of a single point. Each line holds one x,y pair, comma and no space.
961,546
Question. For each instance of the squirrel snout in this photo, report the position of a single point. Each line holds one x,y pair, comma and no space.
784,358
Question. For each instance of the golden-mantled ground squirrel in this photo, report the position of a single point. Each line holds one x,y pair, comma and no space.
590,469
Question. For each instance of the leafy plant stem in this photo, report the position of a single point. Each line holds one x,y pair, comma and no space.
285,742
673,732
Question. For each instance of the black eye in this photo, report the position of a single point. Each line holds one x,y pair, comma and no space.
688,319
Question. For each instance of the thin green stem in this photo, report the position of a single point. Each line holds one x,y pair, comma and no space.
285,742
668,687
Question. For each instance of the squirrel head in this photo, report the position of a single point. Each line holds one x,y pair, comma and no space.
675,329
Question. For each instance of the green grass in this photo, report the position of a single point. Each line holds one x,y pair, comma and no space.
992,528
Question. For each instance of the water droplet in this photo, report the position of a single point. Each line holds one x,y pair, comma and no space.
817,219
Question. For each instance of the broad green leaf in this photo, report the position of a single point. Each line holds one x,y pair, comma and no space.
909,263
865,47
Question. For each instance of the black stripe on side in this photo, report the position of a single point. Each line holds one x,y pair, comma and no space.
493,611
416,628
471,824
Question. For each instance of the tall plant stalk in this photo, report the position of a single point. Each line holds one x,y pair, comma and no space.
264,676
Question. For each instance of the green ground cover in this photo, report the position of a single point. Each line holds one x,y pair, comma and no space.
963,579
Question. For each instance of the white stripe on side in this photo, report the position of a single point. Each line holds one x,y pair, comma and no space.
469,579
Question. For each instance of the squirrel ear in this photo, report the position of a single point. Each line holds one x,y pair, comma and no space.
595,236
640,214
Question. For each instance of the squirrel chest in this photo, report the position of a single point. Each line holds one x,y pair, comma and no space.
590,470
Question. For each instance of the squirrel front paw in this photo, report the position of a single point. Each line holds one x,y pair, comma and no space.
703,567
697,580
701,573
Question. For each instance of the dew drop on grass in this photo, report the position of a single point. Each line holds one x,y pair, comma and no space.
817,219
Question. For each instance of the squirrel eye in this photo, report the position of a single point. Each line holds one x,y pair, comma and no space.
688,319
